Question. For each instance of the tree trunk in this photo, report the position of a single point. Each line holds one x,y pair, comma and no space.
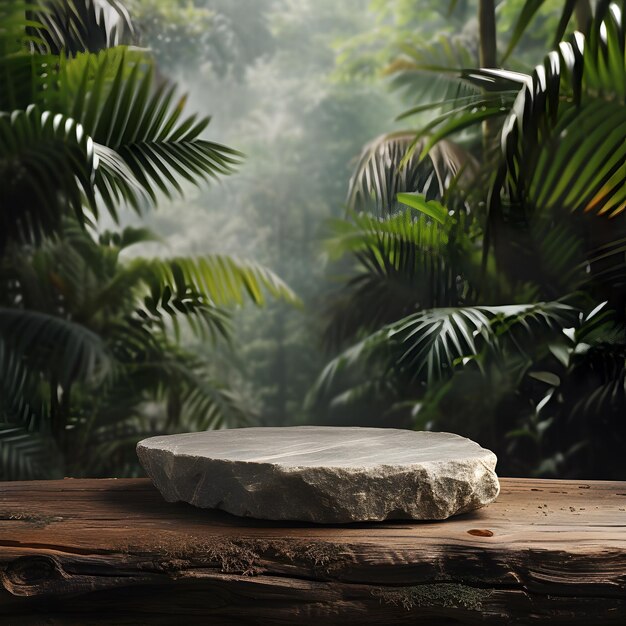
583,15
487,30
488,50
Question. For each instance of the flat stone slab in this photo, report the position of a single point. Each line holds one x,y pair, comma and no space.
323,474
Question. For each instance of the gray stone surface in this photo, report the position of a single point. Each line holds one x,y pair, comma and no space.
323,474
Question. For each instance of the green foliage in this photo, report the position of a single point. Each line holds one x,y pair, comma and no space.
146,146
221,280
72,26
64,350
47,167
118,137
541,380
405,263
25,455
383,171
563,137
90,354
430,345
582,11
112,325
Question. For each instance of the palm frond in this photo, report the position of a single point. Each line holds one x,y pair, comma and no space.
586,390
17,24
140,137
532,7
21,400
432,68
222,280
603,401
73,26
63,349
384,170
13,375
528,12
428,346
169,391
20,70
191,289
181,302
405,263
26,455
129,236
47,165
562,139
202,403
362,231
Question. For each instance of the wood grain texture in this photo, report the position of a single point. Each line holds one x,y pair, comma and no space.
113,552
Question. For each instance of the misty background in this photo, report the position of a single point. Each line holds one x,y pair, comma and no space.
271,75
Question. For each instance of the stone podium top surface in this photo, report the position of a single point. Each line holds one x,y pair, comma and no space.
322,446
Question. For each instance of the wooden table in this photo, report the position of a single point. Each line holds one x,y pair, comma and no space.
113,552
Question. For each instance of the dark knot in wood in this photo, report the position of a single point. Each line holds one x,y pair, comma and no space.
480,532
30,575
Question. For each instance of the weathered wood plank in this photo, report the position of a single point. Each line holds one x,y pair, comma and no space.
112,551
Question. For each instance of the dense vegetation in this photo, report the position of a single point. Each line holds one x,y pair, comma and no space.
489,300
474,283
89,352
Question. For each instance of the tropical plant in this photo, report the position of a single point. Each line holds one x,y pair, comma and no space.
542,220
89,343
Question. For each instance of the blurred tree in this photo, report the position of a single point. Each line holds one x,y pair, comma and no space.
83,131
540,220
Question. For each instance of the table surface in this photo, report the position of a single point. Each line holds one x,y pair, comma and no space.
546,548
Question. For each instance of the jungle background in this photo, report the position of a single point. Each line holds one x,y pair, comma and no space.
405,213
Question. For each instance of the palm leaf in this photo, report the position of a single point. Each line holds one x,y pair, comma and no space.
404,263
601,369
20,70
203,403
15,378
129,236
432,68
26,455
168,391
17,26
562,139
528,12
432,208
47,165
427,347
73,26
222,280
589,391
532,7
384,170
61,348
363,231
192,289
140,137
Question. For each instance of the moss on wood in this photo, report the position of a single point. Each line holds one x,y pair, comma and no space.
443,595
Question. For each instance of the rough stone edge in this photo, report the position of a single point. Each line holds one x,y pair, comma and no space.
160,474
